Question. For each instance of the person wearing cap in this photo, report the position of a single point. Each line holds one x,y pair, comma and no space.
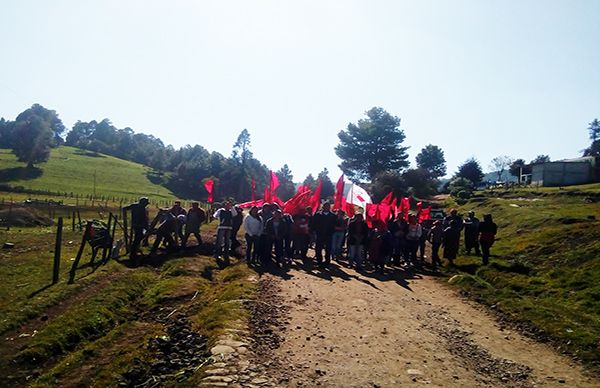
471,224
139,224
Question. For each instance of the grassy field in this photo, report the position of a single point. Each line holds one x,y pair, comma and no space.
93,331
545,272
71,171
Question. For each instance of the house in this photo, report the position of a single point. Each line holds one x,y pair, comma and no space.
566,172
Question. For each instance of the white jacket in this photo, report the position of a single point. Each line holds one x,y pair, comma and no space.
253,226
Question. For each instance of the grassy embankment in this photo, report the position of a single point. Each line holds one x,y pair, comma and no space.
89,332
70,172
546,269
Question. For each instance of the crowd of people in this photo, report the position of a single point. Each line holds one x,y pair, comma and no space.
273,236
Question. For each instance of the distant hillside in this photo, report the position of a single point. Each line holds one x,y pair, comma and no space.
545,268
72,170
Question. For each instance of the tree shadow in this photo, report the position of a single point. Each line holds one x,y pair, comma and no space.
20,174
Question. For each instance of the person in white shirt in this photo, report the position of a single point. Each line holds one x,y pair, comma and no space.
253,225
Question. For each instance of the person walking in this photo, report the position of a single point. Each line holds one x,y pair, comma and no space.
139,224
487,236
195,217
451,241
471,224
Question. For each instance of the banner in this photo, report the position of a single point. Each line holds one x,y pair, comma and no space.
358,196
315,200
338,198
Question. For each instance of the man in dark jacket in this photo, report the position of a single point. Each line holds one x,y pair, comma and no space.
277,228
357,239
139,224
487,236
323,224
471,224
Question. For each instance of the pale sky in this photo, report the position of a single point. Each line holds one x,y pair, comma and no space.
477,78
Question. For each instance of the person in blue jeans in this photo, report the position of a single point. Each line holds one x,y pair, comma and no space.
339,233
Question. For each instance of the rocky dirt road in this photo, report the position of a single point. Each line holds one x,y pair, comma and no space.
345,329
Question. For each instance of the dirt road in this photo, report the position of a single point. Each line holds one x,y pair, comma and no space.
348,329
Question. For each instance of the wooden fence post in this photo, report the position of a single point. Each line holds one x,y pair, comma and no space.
57,247
79,253
125,231
105,248
112,236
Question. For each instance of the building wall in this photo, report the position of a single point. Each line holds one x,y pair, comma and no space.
561,173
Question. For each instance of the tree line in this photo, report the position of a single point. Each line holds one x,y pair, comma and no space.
371,150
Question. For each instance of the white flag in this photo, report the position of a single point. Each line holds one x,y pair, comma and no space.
358,196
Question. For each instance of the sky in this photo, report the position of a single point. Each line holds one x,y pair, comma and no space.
476,78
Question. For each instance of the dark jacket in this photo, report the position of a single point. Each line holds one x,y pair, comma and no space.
487,230
139,215
281,231
323,224
357,232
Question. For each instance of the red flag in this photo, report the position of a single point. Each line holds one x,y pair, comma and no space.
425,214
388,200
274,183
253,187
404,207
371,214
267,195
303,188
209,185
315,200
384,212
338,198
419,206
348,208
297,203
244,205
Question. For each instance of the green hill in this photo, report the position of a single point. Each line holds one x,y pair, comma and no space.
72,170
546,272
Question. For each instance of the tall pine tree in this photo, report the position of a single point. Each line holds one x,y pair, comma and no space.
372,146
